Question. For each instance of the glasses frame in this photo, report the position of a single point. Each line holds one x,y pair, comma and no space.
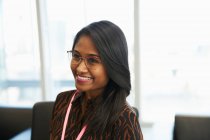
81,58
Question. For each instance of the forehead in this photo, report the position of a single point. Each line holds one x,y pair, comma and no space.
85,45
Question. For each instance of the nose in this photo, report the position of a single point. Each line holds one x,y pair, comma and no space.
81,67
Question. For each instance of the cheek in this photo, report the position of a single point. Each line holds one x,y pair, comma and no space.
106,80
103,77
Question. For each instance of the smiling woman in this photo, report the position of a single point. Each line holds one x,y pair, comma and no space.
97,109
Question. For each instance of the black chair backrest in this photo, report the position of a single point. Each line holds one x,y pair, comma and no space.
42,112
191,128
14,120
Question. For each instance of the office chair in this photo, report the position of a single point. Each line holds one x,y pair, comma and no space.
41,120
14,120
191,128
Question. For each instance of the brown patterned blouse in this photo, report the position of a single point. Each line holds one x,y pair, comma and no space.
126,127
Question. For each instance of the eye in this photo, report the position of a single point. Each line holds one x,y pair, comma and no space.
75,56
93,60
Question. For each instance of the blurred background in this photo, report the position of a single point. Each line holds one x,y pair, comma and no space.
169,54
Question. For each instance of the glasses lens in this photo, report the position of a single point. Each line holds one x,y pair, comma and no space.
74,57
91,62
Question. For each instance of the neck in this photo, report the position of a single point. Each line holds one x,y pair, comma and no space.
92,94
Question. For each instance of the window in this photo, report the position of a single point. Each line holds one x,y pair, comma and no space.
19,62
174,52
37,35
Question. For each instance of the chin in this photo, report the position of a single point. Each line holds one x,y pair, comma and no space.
82,88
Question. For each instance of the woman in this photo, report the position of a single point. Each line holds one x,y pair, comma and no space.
97,109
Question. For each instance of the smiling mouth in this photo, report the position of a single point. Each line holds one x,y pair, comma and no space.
83,79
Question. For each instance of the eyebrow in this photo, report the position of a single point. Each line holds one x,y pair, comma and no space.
95,55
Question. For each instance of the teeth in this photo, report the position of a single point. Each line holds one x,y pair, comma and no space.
83,78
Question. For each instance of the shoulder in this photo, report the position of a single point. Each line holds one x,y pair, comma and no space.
127,126
128,115
127,109
65,95
62,102
63,99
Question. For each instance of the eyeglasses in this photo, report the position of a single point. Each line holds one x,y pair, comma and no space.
91,62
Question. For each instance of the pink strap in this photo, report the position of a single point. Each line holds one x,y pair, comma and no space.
81,132
66,120
67,117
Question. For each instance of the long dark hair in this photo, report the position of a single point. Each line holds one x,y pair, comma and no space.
111,44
